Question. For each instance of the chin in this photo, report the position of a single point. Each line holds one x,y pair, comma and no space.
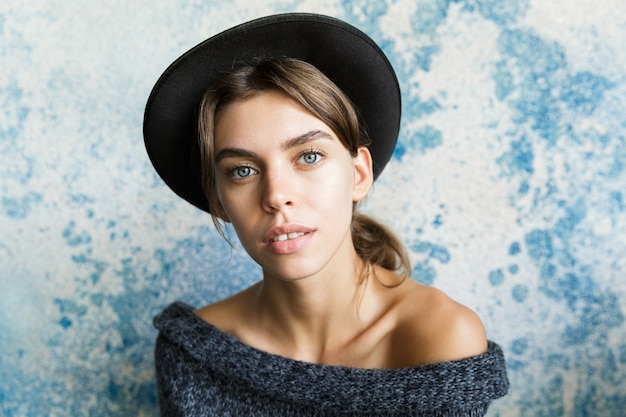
291,271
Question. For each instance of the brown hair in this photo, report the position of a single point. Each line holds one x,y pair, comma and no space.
308,86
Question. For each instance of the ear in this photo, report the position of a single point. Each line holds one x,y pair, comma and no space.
363,174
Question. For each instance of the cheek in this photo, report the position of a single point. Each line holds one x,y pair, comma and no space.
333,191
233,206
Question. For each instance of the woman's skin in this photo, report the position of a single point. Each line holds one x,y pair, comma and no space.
287,185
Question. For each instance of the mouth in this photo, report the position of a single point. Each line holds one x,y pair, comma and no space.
287,236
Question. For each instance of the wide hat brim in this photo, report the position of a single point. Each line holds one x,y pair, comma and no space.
346,55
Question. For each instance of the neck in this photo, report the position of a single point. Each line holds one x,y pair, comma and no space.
315,315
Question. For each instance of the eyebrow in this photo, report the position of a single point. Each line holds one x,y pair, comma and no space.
289,144
305,138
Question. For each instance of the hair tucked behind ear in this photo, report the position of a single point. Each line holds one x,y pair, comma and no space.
305,84
376,244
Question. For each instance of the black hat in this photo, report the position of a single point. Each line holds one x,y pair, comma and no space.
347,56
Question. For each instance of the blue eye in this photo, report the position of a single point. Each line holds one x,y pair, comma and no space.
242,172
310,157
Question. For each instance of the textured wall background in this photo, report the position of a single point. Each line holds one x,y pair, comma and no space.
508,186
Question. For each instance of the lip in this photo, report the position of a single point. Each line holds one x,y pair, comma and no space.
288,239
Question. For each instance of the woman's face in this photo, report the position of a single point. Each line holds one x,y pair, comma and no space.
287,185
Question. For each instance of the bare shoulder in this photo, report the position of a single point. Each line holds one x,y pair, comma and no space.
432,327
227,314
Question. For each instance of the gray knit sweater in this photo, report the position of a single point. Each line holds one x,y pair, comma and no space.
202,371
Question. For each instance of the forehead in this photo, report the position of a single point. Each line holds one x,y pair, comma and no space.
263,119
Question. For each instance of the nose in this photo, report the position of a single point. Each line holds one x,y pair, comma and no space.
278,191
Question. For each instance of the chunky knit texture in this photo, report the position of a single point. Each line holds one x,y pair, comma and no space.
202,371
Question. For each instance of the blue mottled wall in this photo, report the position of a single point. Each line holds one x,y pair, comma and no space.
508,187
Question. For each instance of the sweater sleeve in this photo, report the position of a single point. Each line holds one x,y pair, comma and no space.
169,378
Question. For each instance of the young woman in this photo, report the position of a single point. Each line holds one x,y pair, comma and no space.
335,326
